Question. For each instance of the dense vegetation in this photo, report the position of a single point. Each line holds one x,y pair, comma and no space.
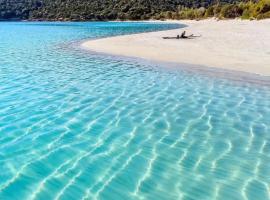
244,10
130,9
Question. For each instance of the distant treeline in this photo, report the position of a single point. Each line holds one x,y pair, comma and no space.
86,10
244,10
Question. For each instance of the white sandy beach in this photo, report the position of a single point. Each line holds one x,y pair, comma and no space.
240,45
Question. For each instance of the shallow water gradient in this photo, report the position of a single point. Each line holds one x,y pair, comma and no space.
76,125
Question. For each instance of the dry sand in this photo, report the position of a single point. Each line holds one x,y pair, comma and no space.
231,44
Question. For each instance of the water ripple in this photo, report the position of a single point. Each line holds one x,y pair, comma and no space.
78,125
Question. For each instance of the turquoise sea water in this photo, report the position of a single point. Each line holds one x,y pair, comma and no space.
77,125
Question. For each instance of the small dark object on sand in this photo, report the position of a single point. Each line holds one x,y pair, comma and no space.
182,36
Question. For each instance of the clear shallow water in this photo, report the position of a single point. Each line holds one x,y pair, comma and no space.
75,125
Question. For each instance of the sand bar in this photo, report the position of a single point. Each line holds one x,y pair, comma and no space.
239,45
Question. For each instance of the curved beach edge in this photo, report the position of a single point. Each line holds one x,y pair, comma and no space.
238,45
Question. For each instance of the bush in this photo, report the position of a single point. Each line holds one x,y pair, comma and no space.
230,11
217,9
209,12
263,16
263,6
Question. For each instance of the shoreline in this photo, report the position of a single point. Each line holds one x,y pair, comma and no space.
239,77
237,45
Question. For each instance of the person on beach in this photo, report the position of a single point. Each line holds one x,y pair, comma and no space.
183,35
